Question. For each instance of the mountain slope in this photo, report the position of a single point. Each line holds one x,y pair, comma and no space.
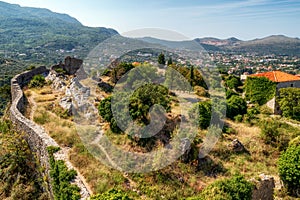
40,35
276,44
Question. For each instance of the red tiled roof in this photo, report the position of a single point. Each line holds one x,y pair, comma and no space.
278,76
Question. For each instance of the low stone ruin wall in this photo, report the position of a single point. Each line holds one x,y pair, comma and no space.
36,136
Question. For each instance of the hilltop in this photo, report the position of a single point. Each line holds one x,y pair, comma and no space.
40,35
275,44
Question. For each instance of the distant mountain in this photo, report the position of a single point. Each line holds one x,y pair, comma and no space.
191,44
41,35
275,44
217,42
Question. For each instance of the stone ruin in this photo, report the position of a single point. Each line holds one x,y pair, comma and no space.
70,65
264,188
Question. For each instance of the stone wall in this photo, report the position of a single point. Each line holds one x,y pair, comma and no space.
36,136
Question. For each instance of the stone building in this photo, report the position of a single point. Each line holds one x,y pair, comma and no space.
282,80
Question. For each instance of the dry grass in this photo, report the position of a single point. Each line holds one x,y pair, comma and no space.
45,98
261,158
173,182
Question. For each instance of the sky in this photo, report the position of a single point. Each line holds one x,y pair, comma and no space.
244,19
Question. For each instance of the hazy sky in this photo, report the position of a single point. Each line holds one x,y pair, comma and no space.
244,19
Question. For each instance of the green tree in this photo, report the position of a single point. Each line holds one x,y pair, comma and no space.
144,98
289,102
37,81
202,112
289,169
170,61
236,105
161,59
192,77
233,82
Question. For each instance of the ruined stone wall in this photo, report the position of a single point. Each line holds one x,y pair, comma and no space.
36,136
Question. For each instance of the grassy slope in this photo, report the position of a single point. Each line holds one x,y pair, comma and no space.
176,181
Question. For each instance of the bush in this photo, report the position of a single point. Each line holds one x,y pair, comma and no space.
289,170
201,91
235,188
236,106
37,81
111,195
31,67
238,118
233,82
269,131
202,112
289,101
61,178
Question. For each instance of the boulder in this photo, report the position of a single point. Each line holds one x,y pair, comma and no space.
237,146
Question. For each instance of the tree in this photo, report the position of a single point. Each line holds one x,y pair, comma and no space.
236,105
233,82
161,59
289,102
170,61
144,98
192,75
289,170
37,81
202,112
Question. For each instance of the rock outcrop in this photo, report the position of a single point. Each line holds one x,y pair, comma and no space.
264,188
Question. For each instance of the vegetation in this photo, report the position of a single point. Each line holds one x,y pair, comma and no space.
19,175
161,59
259,90
61,178
202,111
111,195
236,106
235,188
37,81
289,102
289,170
233,82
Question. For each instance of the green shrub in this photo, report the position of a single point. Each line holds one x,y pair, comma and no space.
269,131
235,188
289,169
61,178
238,118
289,101
236,105
111,195
233,82
37,81
30,67
202,112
